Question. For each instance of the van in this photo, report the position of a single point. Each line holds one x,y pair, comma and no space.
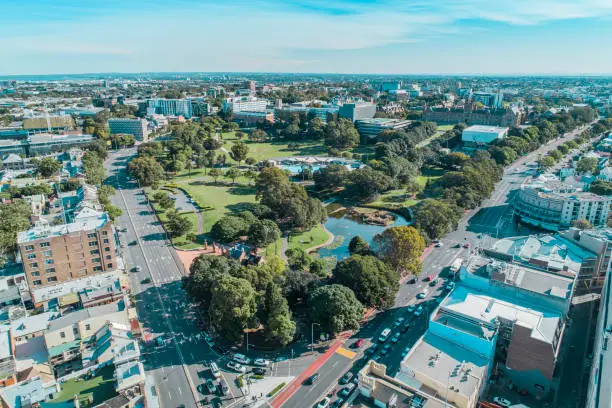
215,370
384,335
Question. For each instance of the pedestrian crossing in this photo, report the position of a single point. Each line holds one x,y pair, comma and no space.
346,353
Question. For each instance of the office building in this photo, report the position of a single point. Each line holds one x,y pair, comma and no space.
470,115
357,111
390,86
553,205
45,143
53,254
135,127
12,146
489,99
249,119
312,109
479,136
244,103
168,107
370,128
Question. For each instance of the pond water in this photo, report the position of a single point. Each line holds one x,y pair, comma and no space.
347,228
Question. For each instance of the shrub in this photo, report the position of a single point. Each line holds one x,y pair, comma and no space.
276,390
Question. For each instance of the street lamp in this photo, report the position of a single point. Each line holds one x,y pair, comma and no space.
312,335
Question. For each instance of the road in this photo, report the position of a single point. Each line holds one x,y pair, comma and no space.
478,227
180,363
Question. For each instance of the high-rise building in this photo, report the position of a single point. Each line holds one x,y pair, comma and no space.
169,107
489,99
244,103
135,127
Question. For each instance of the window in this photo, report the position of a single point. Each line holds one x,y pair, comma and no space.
36,283
93,243
35,273
49,261
110,265
95,260
104,232
33,264
52,279
47,253
75,330
62,335
50,270
105,240
107,249
44,244
31,256
92,235
94,252
87,326
29,247
109,257
97,268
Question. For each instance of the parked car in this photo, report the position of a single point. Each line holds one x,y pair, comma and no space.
358,343
241,358
337,403
405,351
261,362
450,286
346,391
372,349
346,378
324,403
398,322
236,367
467,245
214,369
223,388
412,281
502,401
405,327
422,294
211,386
259,371
439,244
138,268
433,282
428,278
395,338
411,308
132,243
419,311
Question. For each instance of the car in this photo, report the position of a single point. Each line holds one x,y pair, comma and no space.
137,268
450,286
313,378
439,244
377,357
428,278
214,369
405,351
398,322
419,311
261,362
132,243
346,391
324,403
337,403
241,358
259,371
395,338
223,388
433,282
412,281
358,343
411,308
372,349
405,327
346,378
385,350
384,335
236,367
467,245
502,401
145,281
211,386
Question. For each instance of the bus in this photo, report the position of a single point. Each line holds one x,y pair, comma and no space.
384,335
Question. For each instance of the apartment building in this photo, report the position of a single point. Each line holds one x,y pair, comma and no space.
135,127
599,242
244,103
53,254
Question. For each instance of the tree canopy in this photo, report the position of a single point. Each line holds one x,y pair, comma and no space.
335,308
401,247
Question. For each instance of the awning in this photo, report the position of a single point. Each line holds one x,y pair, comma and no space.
69,299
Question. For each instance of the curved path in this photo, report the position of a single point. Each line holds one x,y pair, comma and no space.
326,243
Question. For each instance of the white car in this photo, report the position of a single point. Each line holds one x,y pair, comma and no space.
502,401
324,403
236,367
411,308
419,311
242,359
261,362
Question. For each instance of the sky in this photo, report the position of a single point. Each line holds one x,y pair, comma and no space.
482,37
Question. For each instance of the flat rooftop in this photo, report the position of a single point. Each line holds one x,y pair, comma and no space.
487,309
383,121
446,362
87,220
486,129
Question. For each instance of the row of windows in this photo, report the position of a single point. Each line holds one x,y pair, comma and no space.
91,243
49,279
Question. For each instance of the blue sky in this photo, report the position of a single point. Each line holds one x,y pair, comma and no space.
351,36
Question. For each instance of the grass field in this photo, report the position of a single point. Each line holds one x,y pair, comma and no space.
269,150
274,248
180,242
393,200
444,128
309,239
429,173
224,198
99,388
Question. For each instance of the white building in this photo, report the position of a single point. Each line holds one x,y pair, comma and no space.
135,127
480,135
244,103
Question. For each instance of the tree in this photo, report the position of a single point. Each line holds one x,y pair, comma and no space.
164,200
176,224
233,306
373,281
15,218
367,183
555,154
297,258
263,232
435,218
113,212
331,176
277,316
586,164
214,173
229,228
401,247
105,192
146,169
335,308
316,129
341,134
601,187
250,161
205,271
358,246
298,284
546,162
582,224
240,150
93,167
257,135
232,173
48,166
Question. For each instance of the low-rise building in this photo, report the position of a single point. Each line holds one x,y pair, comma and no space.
245,103
135,127
480,136
45,143
370,128
249,119
49,124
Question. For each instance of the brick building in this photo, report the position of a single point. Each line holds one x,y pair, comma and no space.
469,115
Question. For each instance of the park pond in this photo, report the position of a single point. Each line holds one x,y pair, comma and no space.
345,227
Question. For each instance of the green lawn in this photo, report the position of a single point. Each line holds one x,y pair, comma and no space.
393,200
222,197
100,388
308,239
180,242
274,248
444,128
429,173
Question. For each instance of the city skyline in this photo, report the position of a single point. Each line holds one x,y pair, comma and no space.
353,36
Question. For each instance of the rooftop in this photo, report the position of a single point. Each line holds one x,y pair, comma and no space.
24,394
128,375
382,121
5,341
75,317
446,362
32,324
43,138
484,128
52,121
489,310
